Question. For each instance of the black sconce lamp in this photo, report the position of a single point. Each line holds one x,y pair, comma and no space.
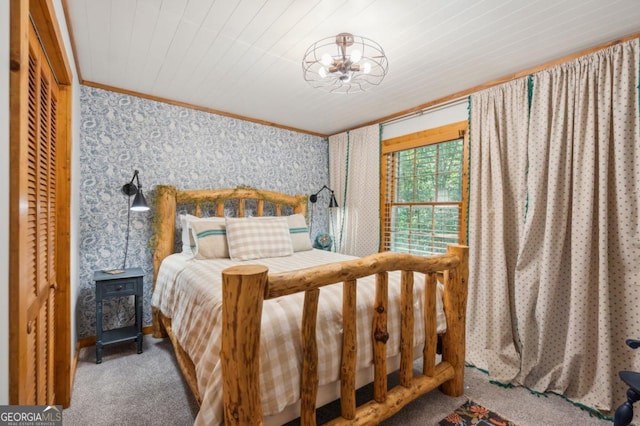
332,202
139,203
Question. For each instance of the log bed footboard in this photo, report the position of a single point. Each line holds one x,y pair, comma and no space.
246,287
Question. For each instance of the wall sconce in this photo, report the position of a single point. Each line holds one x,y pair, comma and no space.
139,203
332,202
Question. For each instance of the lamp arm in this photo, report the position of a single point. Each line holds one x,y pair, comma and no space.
136,175
314,197
332,202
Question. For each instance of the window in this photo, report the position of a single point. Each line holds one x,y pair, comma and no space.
425,190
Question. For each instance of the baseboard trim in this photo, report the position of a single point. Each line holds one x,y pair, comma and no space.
74,364
84,342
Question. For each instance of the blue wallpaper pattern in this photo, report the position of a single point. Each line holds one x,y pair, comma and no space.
177,146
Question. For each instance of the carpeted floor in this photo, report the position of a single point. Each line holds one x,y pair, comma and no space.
148,389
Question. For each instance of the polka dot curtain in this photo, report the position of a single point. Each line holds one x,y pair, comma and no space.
571,298
498,134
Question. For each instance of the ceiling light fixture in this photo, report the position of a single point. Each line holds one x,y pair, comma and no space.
344,64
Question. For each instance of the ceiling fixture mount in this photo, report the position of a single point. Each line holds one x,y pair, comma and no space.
344,64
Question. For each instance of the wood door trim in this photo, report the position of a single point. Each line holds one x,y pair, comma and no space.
62,361
44,17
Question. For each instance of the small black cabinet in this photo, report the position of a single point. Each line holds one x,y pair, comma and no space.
127,283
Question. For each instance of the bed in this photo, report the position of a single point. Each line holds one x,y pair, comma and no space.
267,340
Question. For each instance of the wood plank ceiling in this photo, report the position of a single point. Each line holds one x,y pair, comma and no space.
244,57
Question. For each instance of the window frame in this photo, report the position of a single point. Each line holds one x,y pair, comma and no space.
450,132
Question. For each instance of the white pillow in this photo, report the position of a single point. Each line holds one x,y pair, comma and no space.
210,239
184,224
188,242
254,238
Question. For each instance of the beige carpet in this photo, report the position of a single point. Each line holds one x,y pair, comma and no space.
147,389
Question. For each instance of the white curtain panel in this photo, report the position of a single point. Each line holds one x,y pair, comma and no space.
354,170
578,269
338,150
498,135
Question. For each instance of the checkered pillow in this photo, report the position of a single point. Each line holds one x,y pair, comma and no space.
252,238
210,239
298,230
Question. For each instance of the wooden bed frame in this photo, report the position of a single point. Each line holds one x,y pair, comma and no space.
246,287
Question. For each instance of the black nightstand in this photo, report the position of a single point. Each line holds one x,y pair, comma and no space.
127,283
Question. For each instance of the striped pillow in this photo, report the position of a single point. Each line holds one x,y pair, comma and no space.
253,238
210,239
299,232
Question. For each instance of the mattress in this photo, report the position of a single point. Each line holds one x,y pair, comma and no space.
189,292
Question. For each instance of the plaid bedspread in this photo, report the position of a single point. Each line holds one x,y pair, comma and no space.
189,292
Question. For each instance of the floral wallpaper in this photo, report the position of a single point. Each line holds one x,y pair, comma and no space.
177,146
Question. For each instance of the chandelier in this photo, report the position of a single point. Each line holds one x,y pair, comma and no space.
344,64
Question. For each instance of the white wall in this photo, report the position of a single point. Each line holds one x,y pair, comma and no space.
435,117
4,201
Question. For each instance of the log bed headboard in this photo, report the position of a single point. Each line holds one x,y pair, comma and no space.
168,198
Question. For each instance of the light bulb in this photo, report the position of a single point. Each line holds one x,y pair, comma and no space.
366,68
322,72
326,60
356,55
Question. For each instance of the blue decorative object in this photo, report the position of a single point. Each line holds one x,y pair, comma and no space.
323,241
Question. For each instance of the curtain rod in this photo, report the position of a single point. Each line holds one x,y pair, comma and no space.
465,93
423,111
